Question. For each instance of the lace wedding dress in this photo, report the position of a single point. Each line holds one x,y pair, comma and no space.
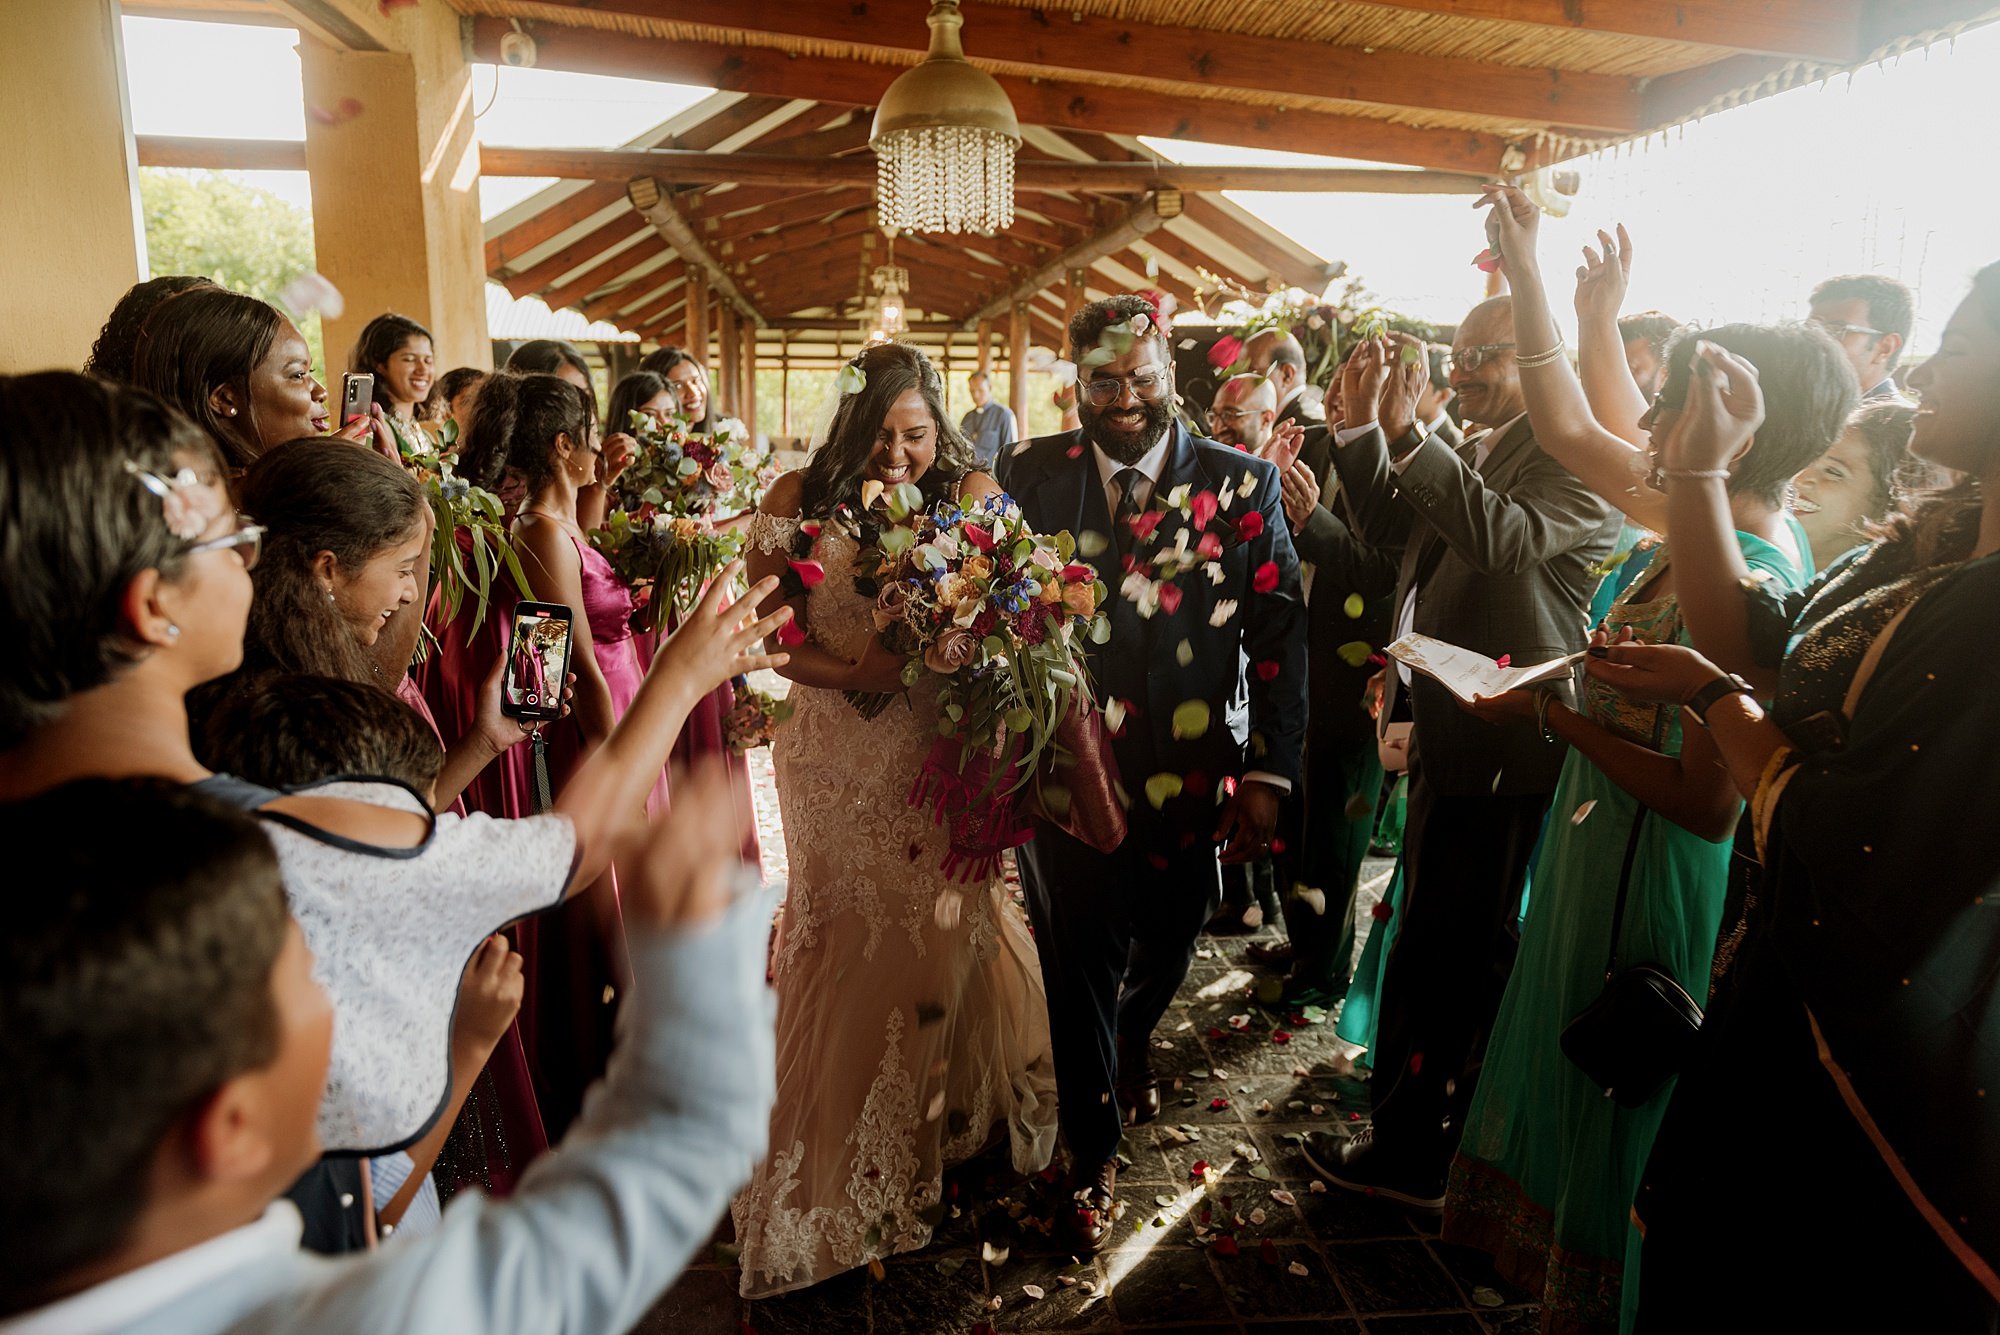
911,1016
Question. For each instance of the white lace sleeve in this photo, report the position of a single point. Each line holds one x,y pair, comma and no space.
391,930
772,533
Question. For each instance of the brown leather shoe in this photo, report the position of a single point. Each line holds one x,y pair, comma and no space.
1270,954
1092,1209
1138,1088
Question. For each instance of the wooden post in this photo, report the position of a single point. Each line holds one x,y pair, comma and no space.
695,327
729,377
747,364
784,383
1017,366
985,337
1077,296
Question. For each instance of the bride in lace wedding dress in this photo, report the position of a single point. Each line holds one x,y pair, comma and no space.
912,1022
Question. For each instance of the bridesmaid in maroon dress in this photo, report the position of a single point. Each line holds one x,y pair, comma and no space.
541,432
672,383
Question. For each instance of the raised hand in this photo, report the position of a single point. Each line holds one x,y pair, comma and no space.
1409,373
1602,278
1362,377
1299,491
1513,225
692,853
714,642
1282,448
619,452
489,996
1657,673
1724,408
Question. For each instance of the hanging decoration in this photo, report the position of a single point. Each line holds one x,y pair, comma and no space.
945,136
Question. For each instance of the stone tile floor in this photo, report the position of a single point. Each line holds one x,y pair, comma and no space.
1250,1249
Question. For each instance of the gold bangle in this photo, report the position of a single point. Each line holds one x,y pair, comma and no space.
1530,362
1720,474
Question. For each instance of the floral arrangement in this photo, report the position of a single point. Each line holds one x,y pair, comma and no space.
999,614
1326,328
753,720
668,538
470,544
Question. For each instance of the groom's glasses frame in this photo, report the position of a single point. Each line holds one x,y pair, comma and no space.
1147,387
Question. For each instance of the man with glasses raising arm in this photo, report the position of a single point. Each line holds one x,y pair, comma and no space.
1116,931
1498,546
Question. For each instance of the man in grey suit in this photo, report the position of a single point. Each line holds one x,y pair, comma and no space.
1498,547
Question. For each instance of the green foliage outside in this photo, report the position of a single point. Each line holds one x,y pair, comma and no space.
244,238
812,391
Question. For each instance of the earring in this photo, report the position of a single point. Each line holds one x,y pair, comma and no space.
329,596
230,411
173,632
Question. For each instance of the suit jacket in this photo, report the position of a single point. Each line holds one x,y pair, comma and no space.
1295,411
1342,565
1055,481
1502,559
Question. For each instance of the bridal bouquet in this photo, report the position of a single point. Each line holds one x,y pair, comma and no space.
999,614
668,539
469,542
754,718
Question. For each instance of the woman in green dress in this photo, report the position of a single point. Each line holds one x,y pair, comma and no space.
1548,1165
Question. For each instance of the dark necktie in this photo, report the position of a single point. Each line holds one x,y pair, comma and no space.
1129,481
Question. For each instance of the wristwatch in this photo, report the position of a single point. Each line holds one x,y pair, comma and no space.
1703,699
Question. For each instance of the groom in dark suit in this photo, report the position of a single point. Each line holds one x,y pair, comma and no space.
1116,931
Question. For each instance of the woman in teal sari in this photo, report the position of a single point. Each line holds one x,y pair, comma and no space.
1548,1165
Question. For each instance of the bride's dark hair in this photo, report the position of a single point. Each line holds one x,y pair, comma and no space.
835,471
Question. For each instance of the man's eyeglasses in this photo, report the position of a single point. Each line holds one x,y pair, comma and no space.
1148,387
1470,359
1840,331
248,542
1235,416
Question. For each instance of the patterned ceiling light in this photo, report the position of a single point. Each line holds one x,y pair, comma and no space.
945,137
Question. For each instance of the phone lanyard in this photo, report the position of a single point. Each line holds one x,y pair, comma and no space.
543,799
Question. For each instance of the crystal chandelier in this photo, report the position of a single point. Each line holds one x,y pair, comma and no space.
945,137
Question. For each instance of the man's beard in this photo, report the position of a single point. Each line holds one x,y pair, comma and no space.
1127,449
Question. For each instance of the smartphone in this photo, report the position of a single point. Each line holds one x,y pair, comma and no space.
537,662
357,393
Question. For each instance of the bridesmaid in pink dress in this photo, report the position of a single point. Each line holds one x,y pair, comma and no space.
671,382
541,432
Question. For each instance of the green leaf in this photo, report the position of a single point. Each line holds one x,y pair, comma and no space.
1100,629
1161,787
1354,653
651,496
1354,606
1184,653
1019,720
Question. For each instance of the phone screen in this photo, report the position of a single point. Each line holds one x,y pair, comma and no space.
537,662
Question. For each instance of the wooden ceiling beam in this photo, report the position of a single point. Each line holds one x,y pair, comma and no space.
1018,254
670,166
1059,102
1822,30
552,221
779,275
1079,46
702,203
602,276
740,252
1187,253
1166,282
581,251
1147,217
816,207
650,198
622,297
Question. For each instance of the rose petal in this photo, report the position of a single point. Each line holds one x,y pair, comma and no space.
1266,578
1266,670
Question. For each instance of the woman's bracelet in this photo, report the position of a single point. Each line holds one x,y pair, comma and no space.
1531,361
1720,474
1542,715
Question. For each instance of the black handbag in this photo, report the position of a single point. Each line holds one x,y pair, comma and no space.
1638,1033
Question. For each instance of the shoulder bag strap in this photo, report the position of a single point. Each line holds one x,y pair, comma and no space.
1624,886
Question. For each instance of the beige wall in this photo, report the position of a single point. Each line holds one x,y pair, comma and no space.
70,237
396,185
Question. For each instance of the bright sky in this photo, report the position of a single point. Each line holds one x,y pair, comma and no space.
1733,218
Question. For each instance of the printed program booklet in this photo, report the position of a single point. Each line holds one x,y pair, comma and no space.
1468,675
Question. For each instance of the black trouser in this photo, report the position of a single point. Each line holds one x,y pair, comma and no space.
1115,933
1329,825
1464,861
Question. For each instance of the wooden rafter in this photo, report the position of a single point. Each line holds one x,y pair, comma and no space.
1058,102
1147,216
1824,30
635,296
650,198
816,207
802,236
602,276
1126,178
584,249
1079,45
551,222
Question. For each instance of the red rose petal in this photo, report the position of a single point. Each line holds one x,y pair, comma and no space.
1158,861
811,573
1266,578
1268,1252
1202,508
1266,670
1217,1104
1416,1062
790,634
1198,1169
1280,1036
1251,525
1075,451
1382,911
1277,845
1504,660
1226,1247
1209,547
